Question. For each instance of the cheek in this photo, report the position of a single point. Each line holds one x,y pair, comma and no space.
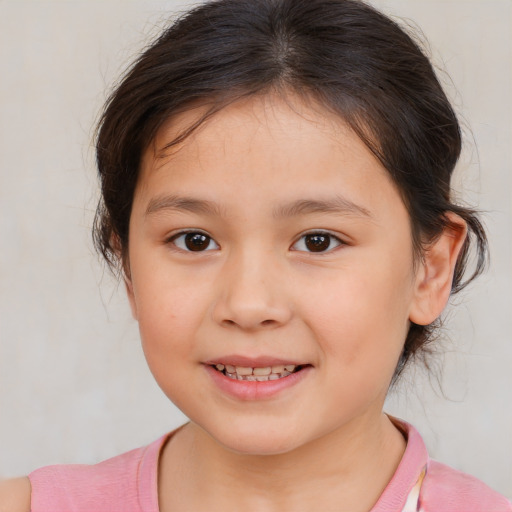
168,320
169,310
361,315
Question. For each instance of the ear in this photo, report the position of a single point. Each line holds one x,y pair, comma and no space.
128,283
122,256
434,277
131,296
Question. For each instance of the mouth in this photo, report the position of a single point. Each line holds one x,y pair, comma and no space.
256,378
258,374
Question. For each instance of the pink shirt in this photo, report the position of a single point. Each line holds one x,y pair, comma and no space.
128,483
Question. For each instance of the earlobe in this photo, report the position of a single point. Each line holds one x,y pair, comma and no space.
435,273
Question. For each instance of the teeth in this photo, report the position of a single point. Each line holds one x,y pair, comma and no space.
241,370
256,374
262,371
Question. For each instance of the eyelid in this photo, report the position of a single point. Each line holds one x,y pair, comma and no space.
170,239
334,236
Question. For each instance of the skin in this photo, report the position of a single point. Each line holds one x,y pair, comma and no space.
323,443
15,495
257,290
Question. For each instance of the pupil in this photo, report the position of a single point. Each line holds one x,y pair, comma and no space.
196,241
317,243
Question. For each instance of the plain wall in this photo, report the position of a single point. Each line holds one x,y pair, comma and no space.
74,386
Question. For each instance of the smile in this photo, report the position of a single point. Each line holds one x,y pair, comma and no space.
262,378
257,374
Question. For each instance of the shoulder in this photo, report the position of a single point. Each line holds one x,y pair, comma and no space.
81,487
126,482
15,495
445,490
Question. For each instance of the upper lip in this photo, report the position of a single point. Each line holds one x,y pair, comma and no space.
253,362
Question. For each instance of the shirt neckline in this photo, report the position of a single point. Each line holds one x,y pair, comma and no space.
407,474
394,496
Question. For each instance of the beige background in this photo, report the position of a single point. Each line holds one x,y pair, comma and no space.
73,383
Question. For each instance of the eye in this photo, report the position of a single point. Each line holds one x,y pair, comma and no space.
194,241
317,242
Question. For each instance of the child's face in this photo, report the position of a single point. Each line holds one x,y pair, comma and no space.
252,183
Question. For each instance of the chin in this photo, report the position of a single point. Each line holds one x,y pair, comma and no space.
260,446
257,439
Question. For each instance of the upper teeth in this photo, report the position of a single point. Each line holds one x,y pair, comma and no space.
256,374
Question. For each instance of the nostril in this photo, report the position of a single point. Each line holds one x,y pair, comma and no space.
267,322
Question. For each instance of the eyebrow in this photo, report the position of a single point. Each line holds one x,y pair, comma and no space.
336,205
180,203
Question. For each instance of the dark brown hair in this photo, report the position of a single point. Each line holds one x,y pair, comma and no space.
349,57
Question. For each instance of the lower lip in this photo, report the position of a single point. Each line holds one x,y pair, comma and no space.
254,390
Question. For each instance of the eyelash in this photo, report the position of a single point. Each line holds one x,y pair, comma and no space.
331,237
210,240
174,238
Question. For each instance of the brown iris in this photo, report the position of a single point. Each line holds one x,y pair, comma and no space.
317,242
197,241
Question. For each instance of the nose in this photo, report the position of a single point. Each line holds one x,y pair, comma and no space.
252,294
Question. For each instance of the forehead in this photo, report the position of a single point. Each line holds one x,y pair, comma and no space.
285,147
277,112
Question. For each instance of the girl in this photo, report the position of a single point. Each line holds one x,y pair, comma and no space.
276,194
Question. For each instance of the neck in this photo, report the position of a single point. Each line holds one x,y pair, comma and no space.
349,466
